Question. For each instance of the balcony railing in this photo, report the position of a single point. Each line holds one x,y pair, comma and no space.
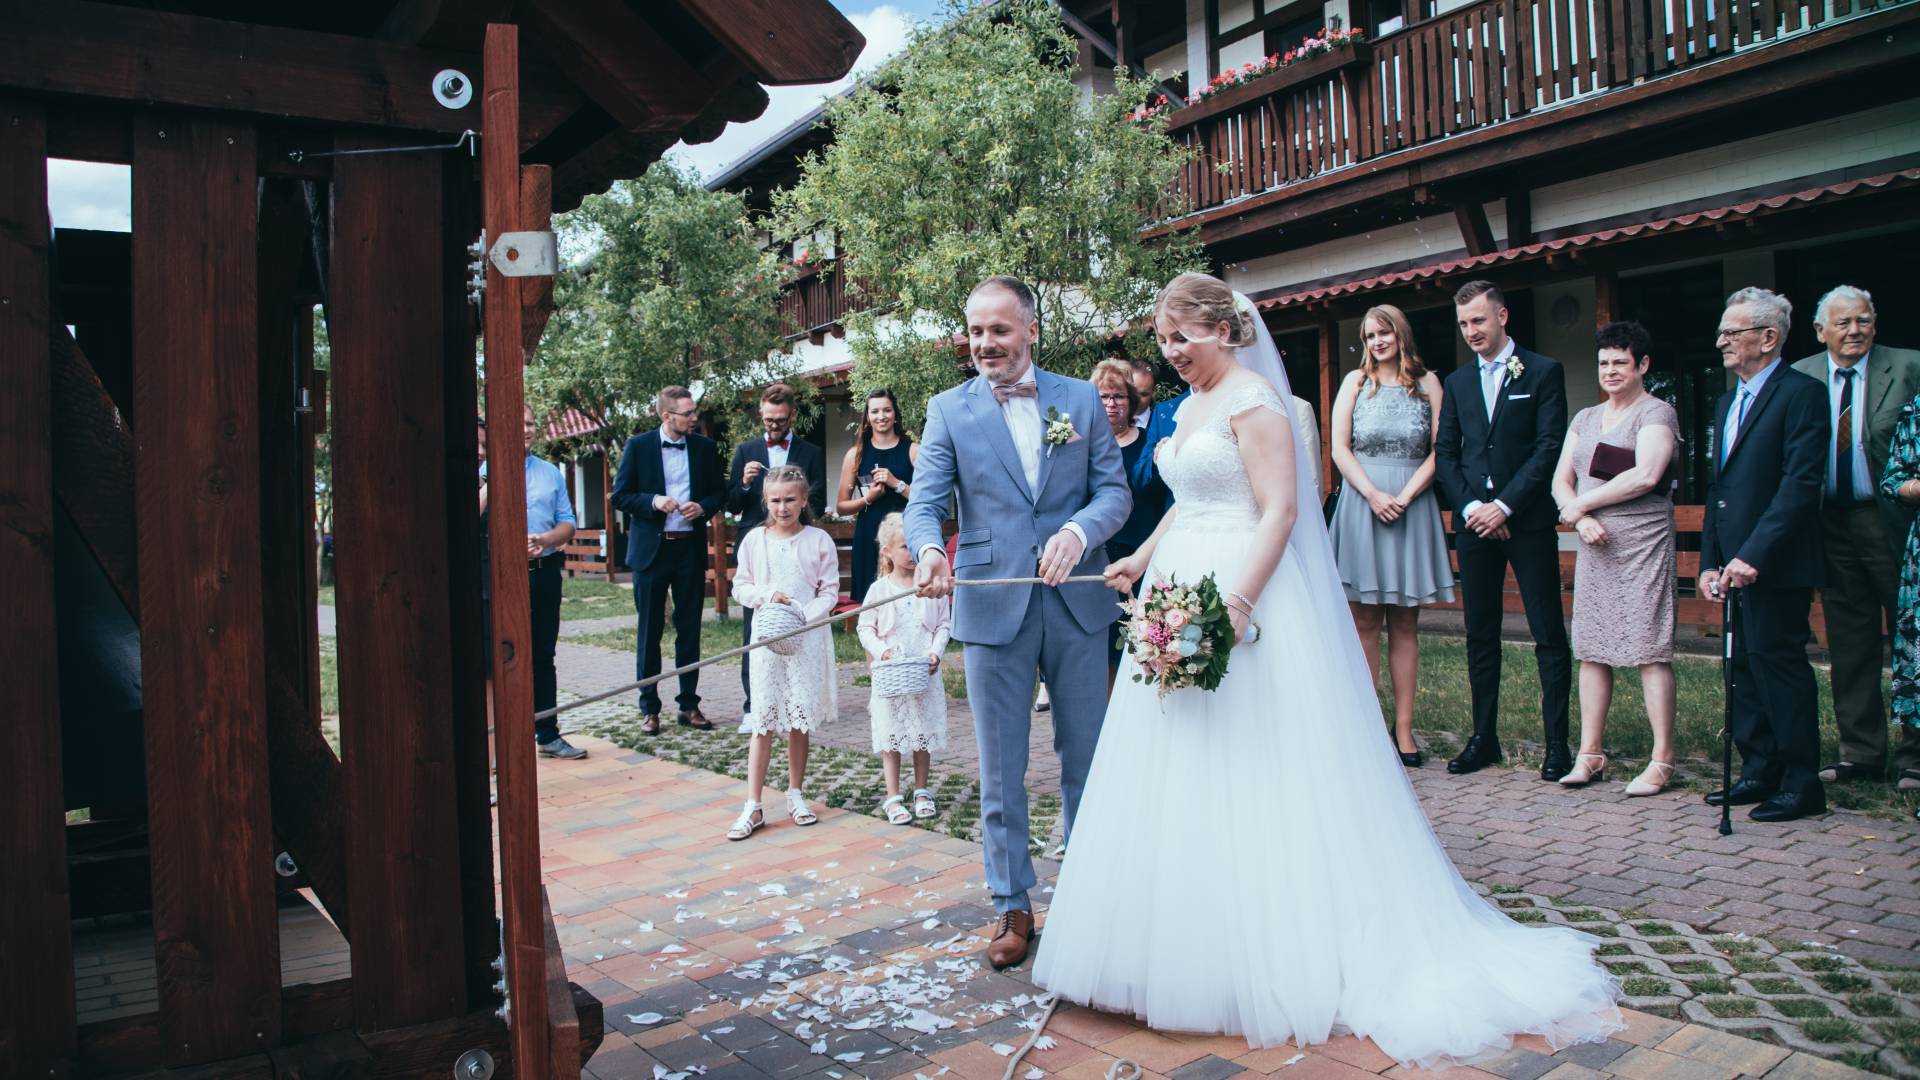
814,302
1476,66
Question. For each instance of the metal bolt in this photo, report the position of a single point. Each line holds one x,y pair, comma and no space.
163,134
229,140
452,86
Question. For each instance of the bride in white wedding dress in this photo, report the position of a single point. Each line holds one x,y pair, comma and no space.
1253,861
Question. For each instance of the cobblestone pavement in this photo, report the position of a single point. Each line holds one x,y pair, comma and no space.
850,950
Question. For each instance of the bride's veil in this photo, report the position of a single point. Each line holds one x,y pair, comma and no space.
1309,543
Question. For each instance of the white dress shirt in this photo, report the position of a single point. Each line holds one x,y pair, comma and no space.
1862,472
1493,375
1743,401
777,455
679,474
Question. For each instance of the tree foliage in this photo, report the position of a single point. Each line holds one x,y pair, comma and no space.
666,286
973,154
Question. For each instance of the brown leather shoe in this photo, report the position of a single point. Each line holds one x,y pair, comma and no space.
1011,936
651,726
695,719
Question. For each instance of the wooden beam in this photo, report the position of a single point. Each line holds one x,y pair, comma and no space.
563,1024
36,982
93,462
443,24
782,41
1329,361
131,54
195,399
618,58
1474,227
1606,292
389,481
536,293
512,644
466,647
1520,219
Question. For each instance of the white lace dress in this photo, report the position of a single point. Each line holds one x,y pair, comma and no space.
1253,861
797,692
916,722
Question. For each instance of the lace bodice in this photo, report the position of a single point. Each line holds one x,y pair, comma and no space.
1202,467
1391,423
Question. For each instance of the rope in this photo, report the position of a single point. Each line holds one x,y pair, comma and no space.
1122,1069
814,625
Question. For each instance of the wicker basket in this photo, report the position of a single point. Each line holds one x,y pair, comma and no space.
775,619
903,676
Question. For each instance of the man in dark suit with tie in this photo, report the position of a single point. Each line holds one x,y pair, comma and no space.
1867,387
1762,535
668,486
1501,425
751,461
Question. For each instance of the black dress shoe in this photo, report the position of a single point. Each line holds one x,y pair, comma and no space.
1790,806
1743,793
1479,753
1558,764
1413,760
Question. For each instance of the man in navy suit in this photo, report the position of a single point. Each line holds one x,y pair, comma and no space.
669,484
751,461
1763,535
1501,426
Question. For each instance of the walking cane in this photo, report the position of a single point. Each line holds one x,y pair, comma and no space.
1728,618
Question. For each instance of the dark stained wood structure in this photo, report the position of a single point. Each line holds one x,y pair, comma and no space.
158,406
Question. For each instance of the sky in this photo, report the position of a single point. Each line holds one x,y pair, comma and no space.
87,195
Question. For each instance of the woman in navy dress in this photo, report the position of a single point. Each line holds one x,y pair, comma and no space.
1123,401
875,478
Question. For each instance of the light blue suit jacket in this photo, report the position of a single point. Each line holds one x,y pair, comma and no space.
967,451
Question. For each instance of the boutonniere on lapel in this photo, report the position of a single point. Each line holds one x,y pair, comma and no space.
1515,368
1060,430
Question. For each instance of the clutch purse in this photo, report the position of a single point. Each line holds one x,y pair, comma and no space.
1609,461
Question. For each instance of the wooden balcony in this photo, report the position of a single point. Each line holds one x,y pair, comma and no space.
814,303
1463,79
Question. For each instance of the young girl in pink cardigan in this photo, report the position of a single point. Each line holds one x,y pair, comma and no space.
787,561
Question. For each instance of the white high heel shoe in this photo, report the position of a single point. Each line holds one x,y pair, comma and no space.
1582,774
1645,784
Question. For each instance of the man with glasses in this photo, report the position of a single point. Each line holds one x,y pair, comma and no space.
669,484
1867,386
1762,536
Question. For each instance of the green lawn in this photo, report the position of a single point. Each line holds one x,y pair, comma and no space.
580,598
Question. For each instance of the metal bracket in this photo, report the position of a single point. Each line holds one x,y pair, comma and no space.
468,138
525,254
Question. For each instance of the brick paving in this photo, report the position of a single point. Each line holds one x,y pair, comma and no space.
849,950
1845,879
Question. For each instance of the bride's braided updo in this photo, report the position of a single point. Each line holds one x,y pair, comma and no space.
1202,300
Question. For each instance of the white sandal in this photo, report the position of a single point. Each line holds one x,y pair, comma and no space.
1651,782
896,810
797,808
750,819
923,807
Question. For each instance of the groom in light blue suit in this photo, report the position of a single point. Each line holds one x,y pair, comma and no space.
1031,494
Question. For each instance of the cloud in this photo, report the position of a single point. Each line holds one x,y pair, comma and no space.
90,195
886,29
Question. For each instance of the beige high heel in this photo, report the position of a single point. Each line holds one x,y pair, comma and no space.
1581,775
1643,786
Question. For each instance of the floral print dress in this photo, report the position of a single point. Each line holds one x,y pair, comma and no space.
1903,464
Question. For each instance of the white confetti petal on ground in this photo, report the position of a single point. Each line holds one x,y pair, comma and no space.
851,1057
671,949
677,894
1002,1049
930,924
697,1070
1293,1059
599,956
837,1075
644,1018
773,889
660,1073
721,1030
1035,1073
819,1046
1045,1042
646,926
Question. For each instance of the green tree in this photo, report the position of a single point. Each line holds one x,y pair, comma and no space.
974,154
667,287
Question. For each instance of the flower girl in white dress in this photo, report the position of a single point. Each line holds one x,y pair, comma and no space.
1252,860
787,561
916,626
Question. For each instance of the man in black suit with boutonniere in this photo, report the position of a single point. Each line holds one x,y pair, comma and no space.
1502,421
668,486
1762,534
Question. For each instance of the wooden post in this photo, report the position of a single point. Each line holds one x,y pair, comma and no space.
36,982
717,561
202,658
608,534
512,642
1329,361
1606,289
389,481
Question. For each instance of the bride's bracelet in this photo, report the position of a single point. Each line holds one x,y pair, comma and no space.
1247,610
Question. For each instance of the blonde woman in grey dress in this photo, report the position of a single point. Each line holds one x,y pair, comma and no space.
1386,532
1623,578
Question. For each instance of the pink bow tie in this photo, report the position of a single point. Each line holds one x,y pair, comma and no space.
1023,389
